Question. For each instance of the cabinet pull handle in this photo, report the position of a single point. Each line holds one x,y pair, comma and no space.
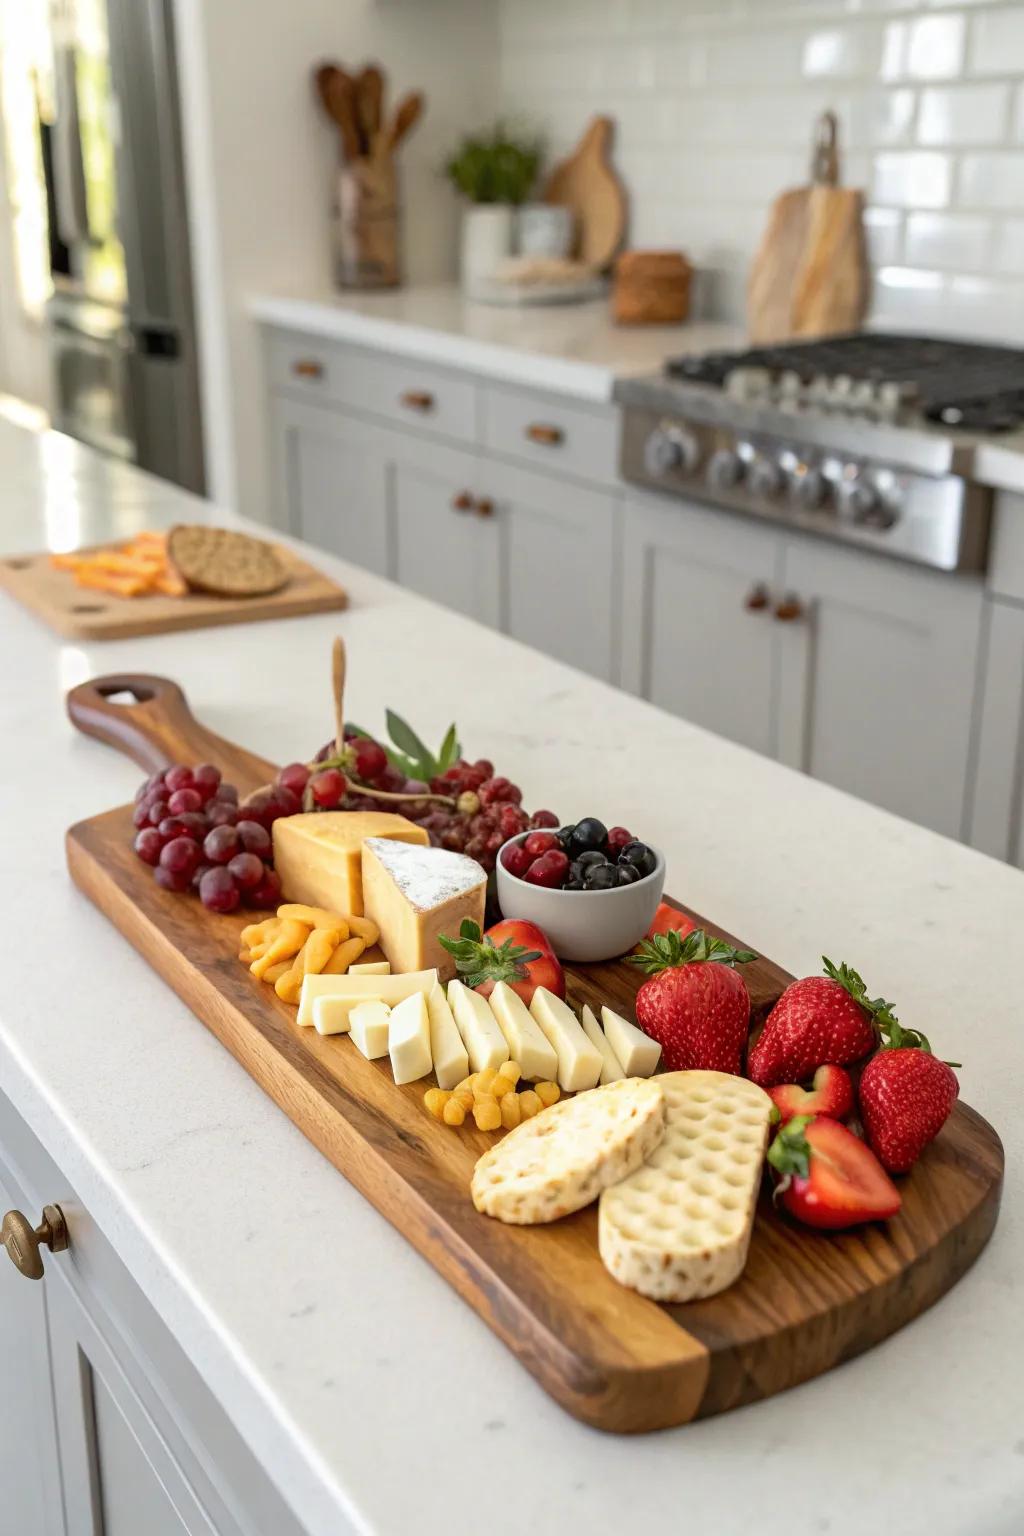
417,400
23,1241
539,432
307,368
790,609
757,598
463,502
484,507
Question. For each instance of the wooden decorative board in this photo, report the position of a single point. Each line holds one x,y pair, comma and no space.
805,1302
80,614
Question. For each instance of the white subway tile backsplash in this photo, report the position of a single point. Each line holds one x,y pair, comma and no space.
997,41
841,52
1009,248
884,229
993,181
917,179
935,47
956,241
963,114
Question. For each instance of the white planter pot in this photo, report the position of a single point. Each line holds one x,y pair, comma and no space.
486,240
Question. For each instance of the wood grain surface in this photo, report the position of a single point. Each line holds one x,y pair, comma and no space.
81,614
805,1302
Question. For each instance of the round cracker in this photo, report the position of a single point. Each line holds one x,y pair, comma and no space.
225,562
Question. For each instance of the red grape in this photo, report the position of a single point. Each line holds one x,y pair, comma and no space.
391,780
327,788
184,800
205,779
200,871
195,823
268,892
226,792
499,789
370,759
171,880
146,788
294,777
221,814
544,819
550,869
284,801
172,826
140,815
178,777
220,845
494,842
157,812
253,837
247,870
618,837
148,844
455,836
540,842
218,891
180,856
258,808
485,766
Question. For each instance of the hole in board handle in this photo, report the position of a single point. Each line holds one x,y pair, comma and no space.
125,695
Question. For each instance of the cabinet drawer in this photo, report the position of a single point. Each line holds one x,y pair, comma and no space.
553,434
402,390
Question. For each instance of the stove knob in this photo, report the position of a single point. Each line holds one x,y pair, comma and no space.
670,449
725,469
858,499
765,479
811,489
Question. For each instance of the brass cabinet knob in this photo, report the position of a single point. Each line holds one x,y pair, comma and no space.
23,1241
484,507
463,502
790,609
540,432
417,400
307,368
757,598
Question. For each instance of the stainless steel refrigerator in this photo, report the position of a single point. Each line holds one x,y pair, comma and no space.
120,321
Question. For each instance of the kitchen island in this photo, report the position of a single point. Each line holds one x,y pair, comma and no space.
370,1395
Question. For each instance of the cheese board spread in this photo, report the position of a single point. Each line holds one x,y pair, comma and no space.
735,1179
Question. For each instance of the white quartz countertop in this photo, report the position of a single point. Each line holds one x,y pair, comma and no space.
365,1387
571,349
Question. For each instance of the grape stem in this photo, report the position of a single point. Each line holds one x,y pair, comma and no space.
362,789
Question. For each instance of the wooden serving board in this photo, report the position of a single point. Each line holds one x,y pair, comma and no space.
805,1302
82,614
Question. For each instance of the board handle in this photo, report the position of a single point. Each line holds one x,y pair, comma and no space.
135,713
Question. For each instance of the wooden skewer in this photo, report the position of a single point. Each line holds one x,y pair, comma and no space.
338,664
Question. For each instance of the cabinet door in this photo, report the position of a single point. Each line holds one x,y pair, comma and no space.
558,566
331,477
446,537
997,793
29,1465
878,678
690,642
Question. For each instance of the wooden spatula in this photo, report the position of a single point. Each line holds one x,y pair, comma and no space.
410,110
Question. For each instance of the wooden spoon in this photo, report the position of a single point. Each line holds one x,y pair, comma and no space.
370,103
410,110
338,94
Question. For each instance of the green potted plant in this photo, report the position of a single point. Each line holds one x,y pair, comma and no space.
494,170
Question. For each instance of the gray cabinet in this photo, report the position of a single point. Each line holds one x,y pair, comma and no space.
997,808
697,636
447,541
332,482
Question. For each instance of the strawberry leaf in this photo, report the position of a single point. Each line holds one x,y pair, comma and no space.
478,959
664,951
790,1152
883,1014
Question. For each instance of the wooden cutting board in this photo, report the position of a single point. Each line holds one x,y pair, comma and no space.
810,276
587,184
80,614
805,1302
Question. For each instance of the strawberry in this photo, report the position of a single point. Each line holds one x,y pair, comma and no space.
906,1096
831,1095
513,951
667,918
828,1178
695,1005
821,1020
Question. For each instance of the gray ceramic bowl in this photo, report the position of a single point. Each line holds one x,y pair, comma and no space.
583,925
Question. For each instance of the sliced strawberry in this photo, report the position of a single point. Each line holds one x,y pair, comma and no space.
831,1094
668,920
828,1178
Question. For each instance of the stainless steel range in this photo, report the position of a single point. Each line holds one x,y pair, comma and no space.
867,438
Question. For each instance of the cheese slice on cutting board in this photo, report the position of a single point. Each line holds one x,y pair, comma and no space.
409,1039
370,1026
318,854
451,1059
637,1053
579,1060
611,1071
370,968
527,1044
484,1041
679,1227
350,990
414,894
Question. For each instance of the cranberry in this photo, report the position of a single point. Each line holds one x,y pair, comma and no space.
550,869
294,777
540,842
544,819
327,788
618,837
516,860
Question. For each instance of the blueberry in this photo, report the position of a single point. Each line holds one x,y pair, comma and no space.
573,885
626,874
601,877
564,834
592,856
640,857
588,834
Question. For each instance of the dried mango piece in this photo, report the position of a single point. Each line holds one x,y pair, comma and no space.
317,950
367,930
277,971
347,951
289,985
315,917
255,933
287,942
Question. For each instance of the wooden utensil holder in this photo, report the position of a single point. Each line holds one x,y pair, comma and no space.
365,220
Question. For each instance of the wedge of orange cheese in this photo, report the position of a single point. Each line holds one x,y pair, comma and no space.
319,854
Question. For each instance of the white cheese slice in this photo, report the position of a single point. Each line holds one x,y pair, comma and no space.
451,1062
579,1062
359,989
611,1071
370,968
409,1039
638,1054
526,1043
369,1025
331,1015
478,1027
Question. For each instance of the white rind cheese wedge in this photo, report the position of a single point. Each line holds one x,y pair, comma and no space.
637,1052
370,968
478,1027
610,1069
360,989
369,1025
679,1228
415,895
409,1039
562,1159
451,1060
579,1061
527,1044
